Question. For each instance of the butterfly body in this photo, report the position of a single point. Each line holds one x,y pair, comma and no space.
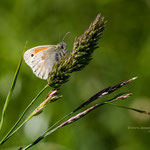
42,58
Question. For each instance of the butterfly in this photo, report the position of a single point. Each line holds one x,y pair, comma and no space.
42,58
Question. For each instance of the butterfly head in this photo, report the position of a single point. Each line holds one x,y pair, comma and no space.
62,46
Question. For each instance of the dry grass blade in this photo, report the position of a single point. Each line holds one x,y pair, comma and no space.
104,92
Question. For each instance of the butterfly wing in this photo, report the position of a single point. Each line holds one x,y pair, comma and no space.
41,60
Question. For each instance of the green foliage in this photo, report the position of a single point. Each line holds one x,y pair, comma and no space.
124,52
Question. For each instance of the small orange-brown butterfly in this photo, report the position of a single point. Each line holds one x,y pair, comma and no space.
42,58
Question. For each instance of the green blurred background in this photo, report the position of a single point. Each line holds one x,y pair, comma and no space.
124,53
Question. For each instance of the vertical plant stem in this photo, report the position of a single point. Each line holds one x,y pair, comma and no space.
10,133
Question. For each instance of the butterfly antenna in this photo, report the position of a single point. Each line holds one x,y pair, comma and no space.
65,36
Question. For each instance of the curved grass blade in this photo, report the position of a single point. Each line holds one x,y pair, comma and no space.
11,89
130,108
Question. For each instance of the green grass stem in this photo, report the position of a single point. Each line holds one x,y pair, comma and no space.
11,132
11,89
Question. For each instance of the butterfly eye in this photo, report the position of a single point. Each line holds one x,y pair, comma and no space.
62,46
32,55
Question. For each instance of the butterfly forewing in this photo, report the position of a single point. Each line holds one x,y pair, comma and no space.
42,58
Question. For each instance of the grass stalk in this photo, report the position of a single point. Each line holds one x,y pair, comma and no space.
101,93
11,132
73,119
11,89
